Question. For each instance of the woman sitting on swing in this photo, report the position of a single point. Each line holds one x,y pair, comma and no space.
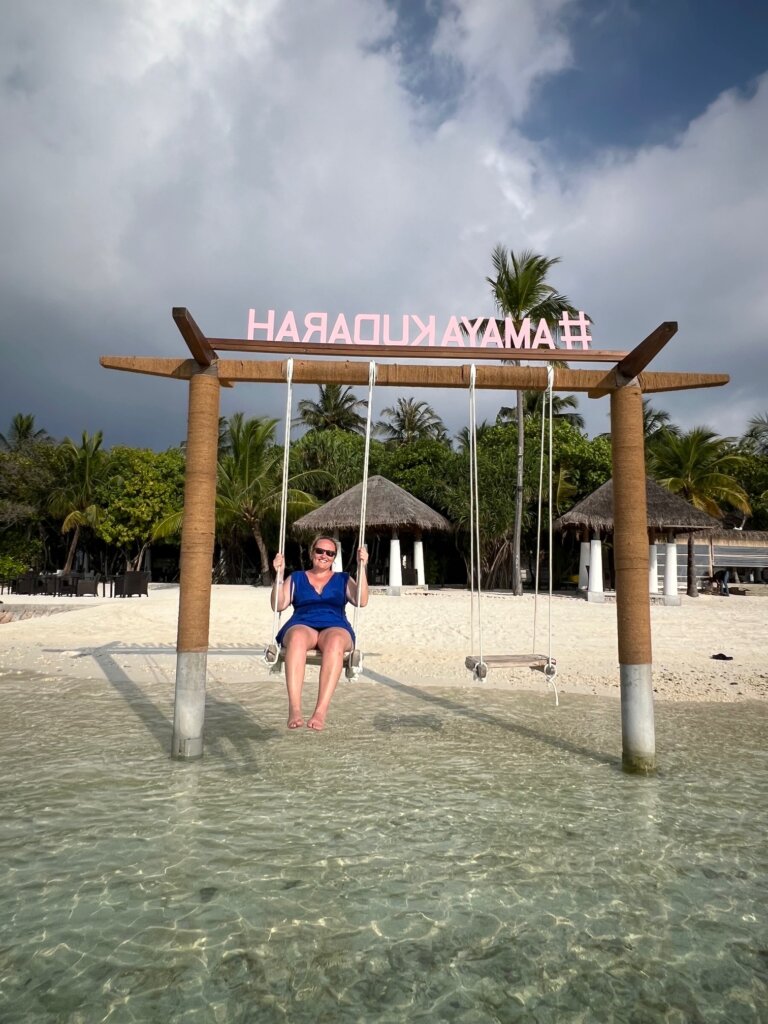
318,596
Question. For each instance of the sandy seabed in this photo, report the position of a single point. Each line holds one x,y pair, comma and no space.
420,639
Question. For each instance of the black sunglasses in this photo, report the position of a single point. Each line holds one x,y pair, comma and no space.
323,551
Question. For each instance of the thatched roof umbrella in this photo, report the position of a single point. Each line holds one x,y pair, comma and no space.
389,507
666,512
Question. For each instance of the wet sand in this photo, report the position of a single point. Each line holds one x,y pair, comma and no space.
420,639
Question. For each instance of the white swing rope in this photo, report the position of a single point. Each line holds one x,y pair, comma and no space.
356,663
480,670
271,653
550,670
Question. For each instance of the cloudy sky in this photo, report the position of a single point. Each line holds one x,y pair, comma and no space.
366,156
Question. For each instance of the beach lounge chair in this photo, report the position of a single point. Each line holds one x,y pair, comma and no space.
131,583
87,587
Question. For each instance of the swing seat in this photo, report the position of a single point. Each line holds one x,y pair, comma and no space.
353,660
476,665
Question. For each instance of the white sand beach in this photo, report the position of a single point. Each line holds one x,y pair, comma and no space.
418,638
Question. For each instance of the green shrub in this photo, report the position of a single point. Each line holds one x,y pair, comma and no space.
11,566
19,554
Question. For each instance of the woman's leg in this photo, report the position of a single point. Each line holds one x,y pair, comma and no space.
297,641
332,643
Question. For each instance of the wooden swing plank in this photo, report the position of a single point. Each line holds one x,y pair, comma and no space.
509,661
315,657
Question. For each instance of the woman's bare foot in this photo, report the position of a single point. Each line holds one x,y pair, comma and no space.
295,719
317,721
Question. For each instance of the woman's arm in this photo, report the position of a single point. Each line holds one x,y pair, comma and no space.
357,591
283,598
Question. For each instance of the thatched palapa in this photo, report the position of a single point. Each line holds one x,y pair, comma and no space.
389,508
666,512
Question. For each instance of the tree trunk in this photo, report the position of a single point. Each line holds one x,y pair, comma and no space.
517,577
72,550
134,564
692,588
266,575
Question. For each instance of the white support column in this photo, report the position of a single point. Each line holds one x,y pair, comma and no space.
595,591
395,565
338,562
671,595
418,561
653,569
584,565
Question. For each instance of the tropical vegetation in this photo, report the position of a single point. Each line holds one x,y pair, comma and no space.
337,408
702,468
410,420
75,504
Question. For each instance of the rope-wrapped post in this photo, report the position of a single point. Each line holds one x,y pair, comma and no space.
630,524
197,539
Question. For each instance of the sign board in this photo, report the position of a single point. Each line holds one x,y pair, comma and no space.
411,330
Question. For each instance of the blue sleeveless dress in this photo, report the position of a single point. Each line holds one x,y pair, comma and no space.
320,611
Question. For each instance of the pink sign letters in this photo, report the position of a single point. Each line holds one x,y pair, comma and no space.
381,329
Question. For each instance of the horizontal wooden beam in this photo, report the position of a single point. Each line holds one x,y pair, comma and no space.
653,382
182,369
344,351
527,378
501,378
495,378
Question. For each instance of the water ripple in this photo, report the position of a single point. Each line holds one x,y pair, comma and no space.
428,858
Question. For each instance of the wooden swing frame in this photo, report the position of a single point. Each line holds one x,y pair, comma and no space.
625,382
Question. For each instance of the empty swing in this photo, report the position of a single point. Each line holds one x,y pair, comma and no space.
480,663
274,655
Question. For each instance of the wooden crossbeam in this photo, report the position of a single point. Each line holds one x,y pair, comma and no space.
432,375
344,351
494,378
154,366
653,382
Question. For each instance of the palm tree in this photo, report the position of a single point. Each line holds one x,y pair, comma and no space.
699,466
756,436
410,420
22,432
84,467
336,407
462,438
533,403
656,420
520,289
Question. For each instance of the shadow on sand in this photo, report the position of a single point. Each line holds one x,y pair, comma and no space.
227,723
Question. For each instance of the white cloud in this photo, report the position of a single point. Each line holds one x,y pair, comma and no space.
677,232
226,155
503,49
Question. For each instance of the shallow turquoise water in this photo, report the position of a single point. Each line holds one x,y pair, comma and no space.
467,856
